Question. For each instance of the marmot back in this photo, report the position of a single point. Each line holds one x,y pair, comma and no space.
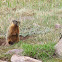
12,35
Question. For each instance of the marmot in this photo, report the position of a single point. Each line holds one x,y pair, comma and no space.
12,35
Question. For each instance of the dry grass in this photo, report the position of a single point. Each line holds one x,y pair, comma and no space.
37,17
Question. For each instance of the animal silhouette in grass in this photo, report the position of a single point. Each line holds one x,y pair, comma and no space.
12,35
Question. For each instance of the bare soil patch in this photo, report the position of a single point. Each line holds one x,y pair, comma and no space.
2,41
24,38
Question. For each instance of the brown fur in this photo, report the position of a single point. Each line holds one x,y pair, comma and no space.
13,32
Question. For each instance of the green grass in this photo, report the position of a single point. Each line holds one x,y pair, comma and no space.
39,51
43,52
54,60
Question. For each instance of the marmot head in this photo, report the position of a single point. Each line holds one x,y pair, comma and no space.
16,22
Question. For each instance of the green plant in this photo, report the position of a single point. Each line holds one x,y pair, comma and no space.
39,51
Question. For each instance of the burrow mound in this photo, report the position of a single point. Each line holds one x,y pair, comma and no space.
3,39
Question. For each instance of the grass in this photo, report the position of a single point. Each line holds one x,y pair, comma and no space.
39,51
38,19
36,51
45,52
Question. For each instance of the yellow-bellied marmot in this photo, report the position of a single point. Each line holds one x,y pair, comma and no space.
12,35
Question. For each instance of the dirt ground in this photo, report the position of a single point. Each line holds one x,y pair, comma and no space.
3,39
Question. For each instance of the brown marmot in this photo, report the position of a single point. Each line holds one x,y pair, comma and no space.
12,35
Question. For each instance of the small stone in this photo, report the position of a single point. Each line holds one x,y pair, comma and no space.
15,51
57,26
2,61
17,58
58,49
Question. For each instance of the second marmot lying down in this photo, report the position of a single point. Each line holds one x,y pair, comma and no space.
12,35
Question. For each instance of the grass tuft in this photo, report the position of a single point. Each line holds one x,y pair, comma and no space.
39,51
